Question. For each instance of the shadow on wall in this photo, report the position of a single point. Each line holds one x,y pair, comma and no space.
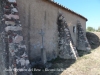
93,39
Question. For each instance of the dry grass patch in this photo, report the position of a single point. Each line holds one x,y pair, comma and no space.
86,65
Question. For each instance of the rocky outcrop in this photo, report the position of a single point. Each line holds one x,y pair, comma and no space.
67,50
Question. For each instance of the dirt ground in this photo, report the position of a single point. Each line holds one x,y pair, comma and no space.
97,33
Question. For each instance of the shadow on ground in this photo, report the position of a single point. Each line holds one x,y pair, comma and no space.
81,53
58,66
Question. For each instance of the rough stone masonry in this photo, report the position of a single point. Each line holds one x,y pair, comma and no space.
15,49
82,41
67,50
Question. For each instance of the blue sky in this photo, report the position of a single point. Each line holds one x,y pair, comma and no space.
87,8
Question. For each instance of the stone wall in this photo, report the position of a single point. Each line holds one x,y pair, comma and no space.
67,49
16,58
82,42
2,52
40,14
46,32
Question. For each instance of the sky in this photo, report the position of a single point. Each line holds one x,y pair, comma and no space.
87,8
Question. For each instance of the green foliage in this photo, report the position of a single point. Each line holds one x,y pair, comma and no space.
91,29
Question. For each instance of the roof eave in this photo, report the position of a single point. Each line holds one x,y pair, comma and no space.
66,9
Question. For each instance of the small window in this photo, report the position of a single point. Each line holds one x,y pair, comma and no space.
74,29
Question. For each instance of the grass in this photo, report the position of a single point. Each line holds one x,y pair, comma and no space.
88,64
85,65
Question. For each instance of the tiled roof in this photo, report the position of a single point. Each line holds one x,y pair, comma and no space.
52,1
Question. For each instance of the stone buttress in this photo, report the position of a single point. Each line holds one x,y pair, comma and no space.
17,58
67,50
82,42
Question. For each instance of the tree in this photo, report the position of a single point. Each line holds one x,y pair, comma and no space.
98,29
90,29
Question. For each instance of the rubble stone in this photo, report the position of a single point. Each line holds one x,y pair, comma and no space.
10,23
82,41
18,39
17,57
13,28
66,47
